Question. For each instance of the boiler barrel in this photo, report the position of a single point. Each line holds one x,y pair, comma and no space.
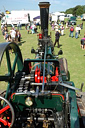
44,16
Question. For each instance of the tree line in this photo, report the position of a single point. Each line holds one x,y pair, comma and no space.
76,11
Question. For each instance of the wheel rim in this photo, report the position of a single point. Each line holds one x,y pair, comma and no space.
6,113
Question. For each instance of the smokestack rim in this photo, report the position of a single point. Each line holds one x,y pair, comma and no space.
44,4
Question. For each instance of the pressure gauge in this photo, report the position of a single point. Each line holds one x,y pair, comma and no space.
29,101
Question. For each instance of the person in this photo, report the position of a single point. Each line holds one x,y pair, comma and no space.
28,28
81,25
62,30
56,27
66,25
9,38
35,29
12,25
19,36
53,25
83,42
6,36
19,26
76,31
79,29
71,31
57,36
32,28
13,34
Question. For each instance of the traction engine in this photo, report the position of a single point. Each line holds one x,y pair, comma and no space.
39,94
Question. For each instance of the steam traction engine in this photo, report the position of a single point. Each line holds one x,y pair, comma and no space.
39,93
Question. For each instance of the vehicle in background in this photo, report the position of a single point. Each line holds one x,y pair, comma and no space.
61,18
72,20
54,18
15,18
83,17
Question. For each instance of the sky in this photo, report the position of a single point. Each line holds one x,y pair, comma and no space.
56,5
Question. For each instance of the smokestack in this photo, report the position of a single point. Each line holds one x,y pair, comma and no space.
44,16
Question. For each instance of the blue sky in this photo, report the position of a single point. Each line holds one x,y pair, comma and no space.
56,5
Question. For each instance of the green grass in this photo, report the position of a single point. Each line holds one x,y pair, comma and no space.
71,51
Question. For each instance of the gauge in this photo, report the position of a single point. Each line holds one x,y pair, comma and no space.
29,101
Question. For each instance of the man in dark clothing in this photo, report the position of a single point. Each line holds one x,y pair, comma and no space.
57,36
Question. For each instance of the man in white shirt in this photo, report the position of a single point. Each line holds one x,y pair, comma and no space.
13,34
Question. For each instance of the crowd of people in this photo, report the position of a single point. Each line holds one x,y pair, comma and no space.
31,28
12,35
73,32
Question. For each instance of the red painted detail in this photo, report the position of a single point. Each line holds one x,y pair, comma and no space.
39,78
8,118
45,79
60,95
40,35
56,72
29,66
36,75
5,122
78,109
55,78
4,109
12,95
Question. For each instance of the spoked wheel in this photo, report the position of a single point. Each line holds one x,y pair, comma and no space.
6,114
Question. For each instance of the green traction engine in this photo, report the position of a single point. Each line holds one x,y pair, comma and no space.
39,94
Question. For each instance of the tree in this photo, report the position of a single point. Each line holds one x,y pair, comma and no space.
78,10
69,11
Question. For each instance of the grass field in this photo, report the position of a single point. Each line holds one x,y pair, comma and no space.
71,51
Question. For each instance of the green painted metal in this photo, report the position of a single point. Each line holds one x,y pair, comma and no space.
8,63
18,60
51,101
74,117
42,60
11,69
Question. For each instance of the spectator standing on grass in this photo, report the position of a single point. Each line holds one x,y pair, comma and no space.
71,31
5,36
19,36
2,27
83,42
32,28
62,30
9,38
28,28
13,34
5,31
79,29
53,25
12,25
66,25
76,31
81,25
57,36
